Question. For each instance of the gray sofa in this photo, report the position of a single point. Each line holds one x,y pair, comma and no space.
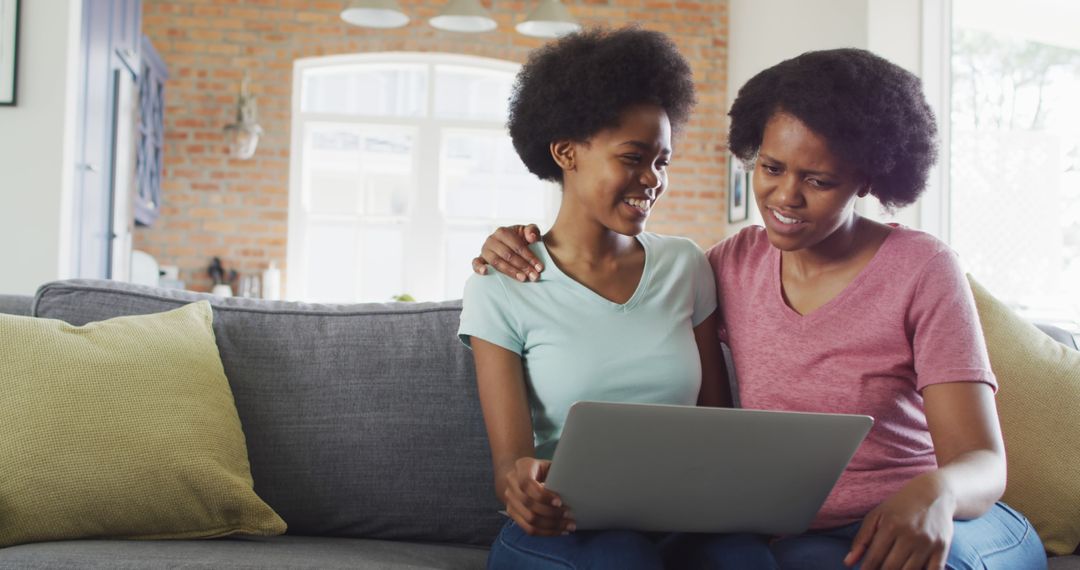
362,428
363,432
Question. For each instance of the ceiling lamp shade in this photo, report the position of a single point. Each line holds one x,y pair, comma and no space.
375,14
550,19
464,16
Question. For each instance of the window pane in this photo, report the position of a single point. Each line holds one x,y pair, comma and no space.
465,176
470,93
381,269
331,268
1015,157
462,244
398,90
363,169
523,200
482,178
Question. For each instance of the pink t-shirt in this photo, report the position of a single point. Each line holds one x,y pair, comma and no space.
907,321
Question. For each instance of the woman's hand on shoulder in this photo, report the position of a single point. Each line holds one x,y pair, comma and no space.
507,250
536,509
911,529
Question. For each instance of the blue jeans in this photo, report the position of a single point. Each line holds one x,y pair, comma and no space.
1002,538
627,550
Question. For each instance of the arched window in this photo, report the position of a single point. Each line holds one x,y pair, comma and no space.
401,165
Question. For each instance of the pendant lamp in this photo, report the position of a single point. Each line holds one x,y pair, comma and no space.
464,16
375,14
550,19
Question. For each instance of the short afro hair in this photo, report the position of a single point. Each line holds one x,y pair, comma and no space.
872,113
578,85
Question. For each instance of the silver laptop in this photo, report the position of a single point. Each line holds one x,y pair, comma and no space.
655,467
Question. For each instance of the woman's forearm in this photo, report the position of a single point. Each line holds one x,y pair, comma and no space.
972,481
967,442
500,381
715,388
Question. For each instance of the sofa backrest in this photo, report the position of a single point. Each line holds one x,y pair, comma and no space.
1059,334
16,304
361,420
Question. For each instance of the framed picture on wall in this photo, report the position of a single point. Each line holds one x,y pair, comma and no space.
738,191
9,49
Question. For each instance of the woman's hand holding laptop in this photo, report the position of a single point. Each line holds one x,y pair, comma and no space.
537,510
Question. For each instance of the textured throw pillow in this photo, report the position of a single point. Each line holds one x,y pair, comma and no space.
1038,401
124,428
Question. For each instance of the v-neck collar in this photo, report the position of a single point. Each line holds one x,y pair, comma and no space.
793,315
552,268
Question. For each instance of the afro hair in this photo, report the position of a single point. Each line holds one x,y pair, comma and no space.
579,85
872,113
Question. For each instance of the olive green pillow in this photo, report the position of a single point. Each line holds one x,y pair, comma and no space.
1038,399
124,428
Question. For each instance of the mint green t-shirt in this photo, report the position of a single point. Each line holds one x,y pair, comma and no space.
576,345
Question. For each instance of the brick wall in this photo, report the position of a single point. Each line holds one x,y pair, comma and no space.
213,205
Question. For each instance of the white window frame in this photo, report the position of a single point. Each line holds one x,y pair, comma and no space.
935,206
424,225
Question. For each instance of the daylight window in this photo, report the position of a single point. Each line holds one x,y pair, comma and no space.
1015,153
401,167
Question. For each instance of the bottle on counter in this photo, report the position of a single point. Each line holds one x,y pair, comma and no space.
271,282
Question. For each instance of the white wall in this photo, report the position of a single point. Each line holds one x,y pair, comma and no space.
765,32
894,31
37,145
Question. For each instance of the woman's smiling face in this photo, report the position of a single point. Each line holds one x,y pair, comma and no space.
620,173
804,192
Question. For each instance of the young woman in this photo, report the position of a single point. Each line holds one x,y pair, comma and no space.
828,311
619,315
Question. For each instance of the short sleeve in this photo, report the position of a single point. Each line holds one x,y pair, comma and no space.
485,314
704,287
947,338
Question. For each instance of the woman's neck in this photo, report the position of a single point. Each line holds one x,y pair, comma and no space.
577,238
843,246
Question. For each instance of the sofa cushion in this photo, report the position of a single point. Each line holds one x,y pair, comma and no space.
1037,400
122,428
361,420
293,552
